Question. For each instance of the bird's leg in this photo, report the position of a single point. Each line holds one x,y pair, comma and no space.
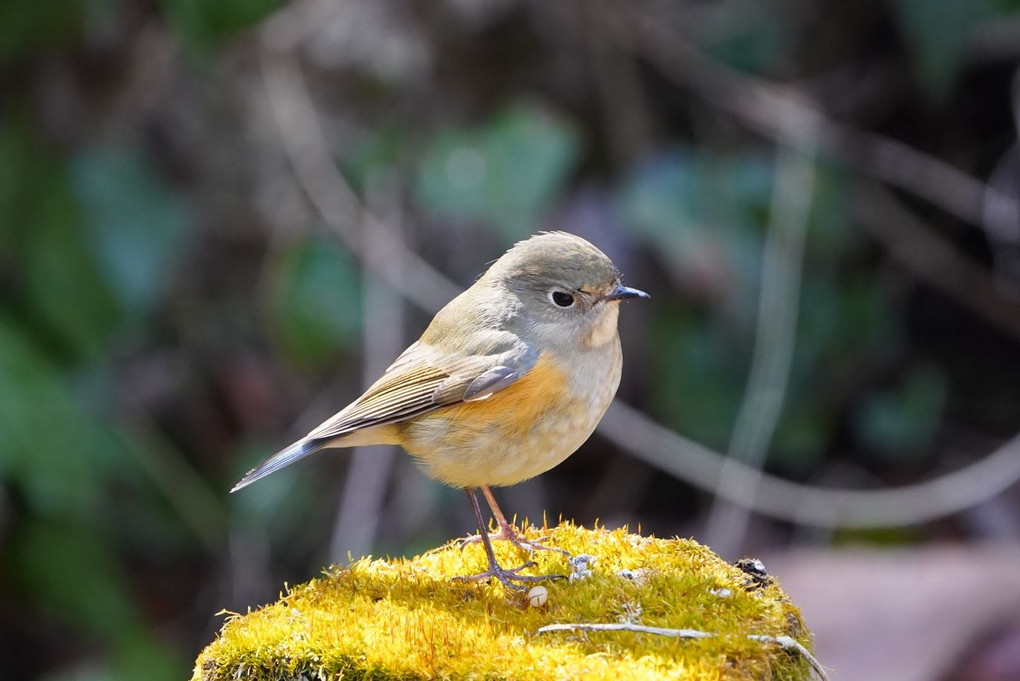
504,575
507,532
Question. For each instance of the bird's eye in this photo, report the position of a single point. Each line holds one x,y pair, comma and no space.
561,298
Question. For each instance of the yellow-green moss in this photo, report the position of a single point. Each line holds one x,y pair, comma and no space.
405,618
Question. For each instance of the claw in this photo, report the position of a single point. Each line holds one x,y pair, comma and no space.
507,532
506,576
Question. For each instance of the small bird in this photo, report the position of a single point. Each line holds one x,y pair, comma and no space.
508,380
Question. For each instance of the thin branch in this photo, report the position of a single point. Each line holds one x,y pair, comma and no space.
934,260
785,642
626,626
313,164
790,643
370,468
199,507
633,432
765,392
785,115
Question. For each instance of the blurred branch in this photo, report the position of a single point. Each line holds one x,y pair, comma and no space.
364,489
809,505
997,40
787,117
934,260
765,392
630,430
180,483
617,81
309,154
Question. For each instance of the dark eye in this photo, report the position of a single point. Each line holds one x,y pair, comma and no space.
562,299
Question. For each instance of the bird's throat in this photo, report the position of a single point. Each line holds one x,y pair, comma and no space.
603,330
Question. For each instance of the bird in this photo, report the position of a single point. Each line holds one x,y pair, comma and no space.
509,379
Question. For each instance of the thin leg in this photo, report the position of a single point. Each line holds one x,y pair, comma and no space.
507,577
507,532
500,518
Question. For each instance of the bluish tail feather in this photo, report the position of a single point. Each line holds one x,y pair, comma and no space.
298,450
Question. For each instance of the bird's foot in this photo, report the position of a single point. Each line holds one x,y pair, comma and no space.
508,533
508,576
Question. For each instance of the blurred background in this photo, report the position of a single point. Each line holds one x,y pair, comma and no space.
219,220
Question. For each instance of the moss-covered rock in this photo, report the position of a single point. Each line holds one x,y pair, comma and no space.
406,618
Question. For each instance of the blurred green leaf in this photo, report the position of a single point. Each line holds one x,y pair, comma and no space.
700,377
136,224
70,570
140,654
379,150
42,243
901,423
30,26
746,34
199,22
24,170
63,282
803,431
831,236
49,444
937,32
842,329
662,198
316,302
505,173
842,324
705,215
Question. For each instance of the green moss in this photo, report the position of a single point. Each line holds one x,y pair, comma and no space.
405,618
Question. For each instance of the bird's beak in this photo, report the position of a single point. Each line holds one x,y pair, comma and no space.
623,292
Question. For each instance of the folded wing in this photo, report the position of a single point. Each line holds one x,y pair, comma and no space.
419,381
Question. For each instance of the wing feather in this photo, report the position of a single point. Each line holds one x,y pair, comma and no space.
422,380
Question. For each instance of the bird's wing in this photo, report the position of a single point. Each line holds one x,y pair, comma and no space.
422,380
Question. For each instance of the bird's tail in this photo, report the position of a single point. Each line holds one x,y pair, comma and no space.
298,450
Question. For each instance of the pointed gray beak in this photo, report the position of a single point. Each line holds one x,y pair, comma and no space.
623,292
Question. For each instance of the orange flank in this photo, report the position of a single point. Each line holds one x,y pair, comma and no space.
517,408
517,433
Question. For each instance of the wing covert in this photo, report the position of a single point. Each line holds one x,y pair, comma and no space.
422,380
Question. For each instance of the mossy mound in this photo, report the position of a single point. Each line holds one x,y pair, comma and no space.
405,618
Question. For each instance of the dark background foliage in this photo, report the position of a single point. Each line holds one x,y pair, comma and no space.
184,289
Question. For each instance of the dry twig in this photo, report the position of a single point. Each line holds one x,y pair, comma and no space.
786,642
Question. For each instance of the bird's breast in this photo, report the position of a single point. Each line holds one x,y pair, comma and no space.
521,431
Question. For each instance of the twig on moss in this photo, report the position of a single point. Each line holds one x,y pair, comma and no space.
790,643
626,626
785,642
